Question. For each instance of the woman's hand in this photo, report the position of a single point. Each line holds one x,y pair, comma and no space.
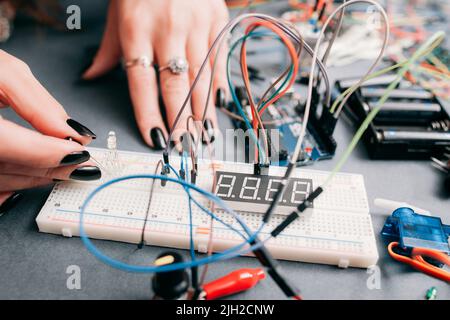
164,30
29,158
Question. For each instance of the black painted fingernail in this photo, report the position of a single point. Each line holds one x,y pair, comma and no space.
157,136
209,129
75,158
10,203
221,100
88,173
82,130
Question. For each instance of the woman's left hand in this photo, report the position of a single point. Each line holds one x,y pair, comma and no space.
162,31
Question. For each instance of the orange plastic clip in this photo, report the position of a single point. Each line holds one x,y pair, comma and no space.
418,262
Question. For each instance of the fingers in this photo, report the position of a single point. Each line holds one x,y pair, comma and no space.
177,29
221,18
12,182
174,87
200,41
29,159
84,172
109,54
20,90
30,148
197,50
143,85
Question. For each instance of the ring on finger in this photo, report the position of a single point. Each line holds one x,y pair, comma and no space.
142,61
177,65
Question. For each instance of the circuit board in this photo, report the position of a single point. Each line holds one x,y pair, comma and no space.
337,230
289,126
285,117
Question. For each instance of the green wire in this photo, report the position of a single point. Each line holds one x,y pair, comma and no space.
371,76
423,50
288,77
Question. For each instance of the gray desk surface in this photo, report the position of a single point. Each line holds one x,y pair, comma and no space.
33,265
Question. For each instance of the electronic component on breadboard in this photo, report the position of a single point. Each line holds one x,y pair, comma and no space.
285,117
111,159
256,192
337,231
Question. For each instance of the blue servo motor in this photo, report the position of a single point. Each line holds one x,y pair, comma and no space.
412,230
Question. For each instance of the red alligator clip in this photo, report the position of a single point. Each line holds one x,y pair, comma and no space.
236,281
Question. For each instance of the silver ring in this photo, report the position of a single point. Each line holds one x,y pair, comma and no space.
176,65
143,61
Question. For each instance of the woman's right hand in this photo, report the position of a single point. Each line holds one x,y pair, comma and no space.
29,158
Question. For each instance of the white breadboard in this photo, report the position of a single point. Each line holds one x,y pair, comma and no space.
337,231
